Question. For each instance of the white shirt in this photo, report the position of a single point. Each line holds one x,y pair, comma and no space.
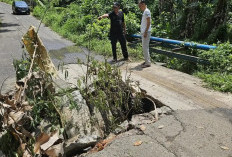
146,14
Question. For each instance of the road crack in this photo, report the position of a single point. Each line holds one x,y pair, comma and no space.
183,128
163,145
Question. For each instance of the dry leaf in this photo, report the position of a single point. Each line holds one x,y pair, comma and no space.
99,147
26,106
22,147
142,127
26,154
10,102
6,106
42,58
161,127
102,144
18,95
15,117
55,151
224,148
42,138
138,143
51,141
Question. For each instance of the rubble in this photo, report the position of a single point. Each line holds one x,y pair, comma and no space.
77,144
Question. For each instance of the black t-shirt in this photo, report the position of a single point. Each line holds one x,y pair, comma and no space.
116,22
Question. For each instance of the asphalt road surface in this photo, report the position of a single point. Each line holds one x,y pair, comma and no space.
12,29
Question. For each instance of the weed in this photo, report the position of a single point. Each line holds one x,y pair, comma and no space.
107,92
9,144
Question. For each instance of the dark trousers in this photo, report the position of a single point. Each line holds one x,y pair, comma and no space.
122,40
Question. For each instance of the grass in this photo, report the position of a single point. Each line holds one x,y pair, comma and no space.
7,1
217,81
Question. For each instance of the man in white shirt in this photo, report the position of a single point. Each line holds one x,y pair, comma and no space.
145,32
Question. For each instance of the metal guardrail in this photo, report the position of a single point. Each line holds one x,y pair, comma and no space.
177,42
181,56
176,45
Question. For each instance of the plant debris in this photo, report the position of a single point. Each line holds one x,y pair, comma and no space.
138,143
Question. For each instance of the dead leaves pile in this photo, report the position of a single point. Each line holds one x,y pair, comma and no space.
14,112
15,117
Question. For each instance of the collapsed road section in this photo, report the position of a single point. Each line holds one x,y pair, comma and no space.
48,115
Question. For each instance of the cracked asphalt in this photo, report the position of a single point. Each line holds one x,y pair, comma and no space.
192,133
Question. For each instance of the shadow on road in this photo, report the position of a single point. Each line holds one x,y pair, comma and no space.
5,25
5,30
137,68
9,24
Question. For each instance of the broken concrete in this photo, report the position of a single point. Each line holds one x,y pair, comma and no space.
77,144
123,127
184,133
139,119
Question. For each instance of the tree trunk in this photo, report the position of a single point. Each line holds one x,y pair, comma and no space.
220,13
191,13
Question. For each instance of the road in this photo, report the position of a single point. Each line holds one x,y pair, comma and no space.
201,121
199,125
11,31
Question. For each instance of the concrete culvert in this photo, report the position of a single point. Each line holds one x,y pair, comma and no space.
148,104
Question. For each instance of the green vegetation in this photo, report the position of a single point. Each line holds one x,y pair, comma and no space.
219,73
10,146
40,91
109,93
7,1
78,22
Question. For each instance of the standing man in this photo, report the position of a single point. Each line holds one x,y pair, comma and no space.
117,30
145,32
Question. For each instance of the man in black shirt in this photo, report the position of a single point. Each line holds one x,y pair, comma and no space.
117,30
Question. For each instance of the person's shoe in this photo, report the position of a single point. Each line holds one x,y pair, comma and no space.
146,65
114,61
127,59
143,63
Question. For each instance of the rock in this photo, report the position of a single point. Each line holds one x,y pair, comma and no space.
139,119
60,84
44,126
80,121
77,144
159,111
8,86
1,154
166,110
122,127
